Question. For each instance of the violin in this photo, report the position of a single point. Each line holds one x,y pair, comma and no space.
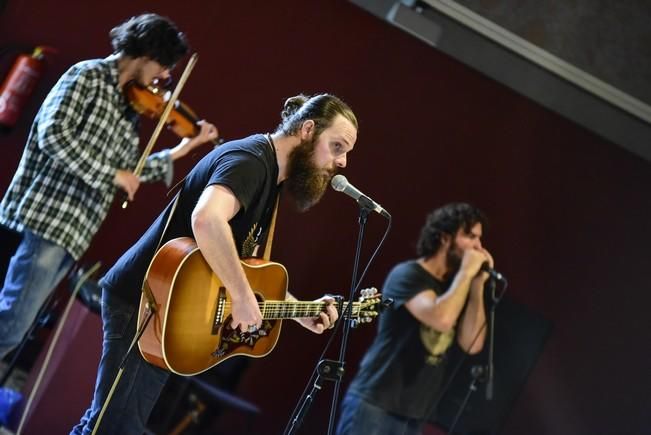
150,101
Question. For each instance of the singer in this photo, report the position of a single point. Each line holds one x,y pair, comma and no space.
438,297
226,204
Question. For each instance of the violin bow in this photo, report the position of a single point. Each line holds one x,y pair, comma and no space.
161,121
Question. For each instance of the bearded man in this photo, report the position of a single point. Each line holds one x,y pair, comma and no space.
436,296
226,204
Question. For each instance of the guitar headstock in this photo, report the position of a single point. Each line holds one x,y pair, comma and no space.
368,305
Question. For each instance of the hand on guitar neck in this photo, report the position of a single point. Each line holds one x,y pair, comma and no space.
326,320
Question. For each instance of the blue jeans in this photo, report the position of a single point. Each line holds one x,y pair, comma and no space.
140,385
358,417
34,271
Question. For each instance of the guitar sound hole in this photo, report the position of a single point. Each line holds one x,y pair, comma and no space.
219,311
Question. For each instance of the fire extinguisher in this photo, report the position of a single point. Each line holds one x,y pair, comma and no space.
19,85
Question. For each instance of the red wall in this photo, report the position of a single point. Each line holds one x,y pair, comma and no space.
570,212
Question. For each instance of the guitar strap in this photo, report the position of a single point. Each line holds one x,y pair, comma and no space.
266,255
151,302
270,235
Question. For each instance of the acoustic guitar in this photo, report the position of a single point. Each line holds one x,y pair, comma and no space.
190,330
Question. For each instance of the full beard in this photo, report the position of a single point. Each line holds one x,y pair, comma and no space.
306,182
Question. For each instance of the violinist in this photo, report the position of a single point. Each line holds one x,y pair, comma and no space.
82,148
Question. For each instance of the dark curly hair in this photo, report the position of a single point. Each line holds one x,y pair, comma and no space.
152,36
447,220
322,109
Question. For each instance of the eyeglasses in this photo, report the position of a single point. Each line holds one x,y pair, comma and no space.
163,82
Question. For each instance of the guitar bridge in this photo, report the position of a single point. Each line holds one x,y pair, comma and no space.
233,338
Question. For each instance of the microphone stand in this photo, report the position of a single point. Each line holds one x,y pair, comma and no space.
331,370
478,372
491,342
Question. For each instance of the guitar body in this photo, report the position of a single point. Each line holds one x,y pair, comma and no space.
190,330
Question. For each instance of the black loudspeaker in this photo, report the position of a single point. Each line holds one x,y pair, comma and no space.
520,334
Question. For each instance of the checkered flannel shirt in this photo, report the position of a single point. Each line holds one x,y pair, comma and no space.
84,131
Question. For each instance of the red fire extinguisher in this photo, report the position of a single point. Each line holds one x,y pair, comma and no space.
20,83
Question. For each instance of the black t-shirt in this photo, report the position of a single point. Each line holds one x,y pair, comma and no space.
248,167
402,369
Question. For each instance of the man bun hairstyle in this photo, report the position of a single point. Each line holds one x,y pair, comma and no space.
447,220
292,104
152,36
322,109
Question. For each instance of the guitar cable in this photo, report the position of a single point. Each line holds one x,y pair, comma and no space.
149,313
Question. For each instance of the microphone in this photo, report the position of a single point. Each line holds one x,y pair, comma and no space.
492,272
341,184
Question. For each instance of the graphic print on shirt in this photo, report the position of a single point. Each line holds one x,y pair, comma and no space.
250,245
436,343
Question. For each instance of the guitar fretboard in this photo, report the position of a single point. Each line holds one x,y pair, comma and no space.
295,309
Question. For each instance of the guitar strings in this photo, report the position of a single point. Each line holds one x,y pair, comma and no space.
283,309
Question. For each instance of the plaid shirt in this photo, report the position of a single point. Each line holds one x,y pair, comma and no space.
82,134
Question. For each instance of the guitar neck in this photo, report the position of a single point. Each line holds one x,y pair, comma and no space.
295,309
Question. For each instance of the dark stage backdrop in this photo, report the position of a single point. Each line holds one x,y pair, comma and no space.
570,213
